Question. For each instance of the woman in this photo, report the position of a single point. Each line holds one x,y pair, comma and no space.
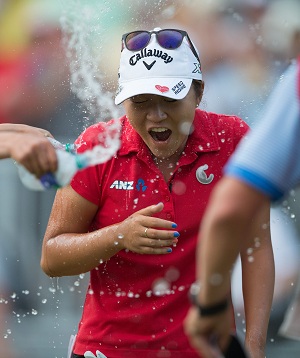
133,221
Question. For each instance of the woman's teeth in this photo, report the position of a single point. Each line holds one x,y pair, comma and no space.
160,134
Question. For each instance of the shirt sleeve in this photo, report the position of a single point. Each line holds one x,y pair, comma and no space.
268,157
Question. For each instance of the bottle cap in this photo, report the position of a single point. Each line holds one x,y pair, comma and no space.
70,147
81,161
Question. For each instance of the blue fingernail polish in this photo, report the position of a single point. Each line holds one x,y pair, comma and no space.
176,234
174,225
169,250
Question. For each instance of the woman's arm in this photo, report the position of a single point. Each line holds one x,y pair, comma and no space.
258,274
69,249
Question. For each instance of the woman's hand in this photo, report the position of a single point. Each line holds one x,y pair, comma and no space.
144,234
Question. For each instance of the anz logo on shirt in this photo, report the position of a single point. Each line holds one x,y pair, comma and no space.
129,185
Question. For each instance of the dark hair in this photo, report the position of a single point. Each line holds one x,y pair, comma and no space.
198,88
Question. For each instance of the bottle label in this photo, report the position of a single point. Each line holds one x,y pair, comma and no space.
48,180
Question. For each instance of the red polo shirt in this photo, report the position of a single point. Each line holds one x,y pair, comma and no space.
136,303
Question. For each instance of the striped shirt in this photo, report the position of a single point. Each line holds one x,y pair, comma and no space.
268,159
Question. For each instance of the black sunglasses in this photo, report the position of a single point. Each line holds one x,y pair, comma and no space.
169,39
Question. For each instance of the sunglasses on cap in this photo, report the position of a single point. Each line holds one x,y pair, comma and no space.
169,39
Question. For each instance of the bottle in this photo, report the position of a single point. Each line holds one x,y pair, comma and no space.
68,164
68,147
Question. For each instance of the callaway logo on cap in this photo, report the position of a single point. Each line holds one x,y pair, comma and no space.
152,63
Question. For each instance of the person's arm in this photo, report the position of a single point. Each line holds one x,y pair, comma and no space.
69,249
228,217
258,275
24,128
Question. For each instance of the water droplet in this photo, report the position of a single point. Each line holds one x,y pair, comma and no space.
186,128
160,287
249,251
179,187
216,279
172,274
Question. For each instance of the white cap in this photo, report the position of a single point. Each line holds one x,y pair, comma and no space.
156,70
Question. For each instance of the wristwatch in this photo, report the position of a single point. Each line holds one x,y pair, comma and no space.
205,311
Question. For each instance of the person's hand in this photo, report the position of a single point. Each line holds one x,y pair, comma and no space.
208,335
34,152
144,234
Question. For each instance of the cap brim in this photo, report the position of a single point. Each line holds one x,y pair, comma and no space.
175,88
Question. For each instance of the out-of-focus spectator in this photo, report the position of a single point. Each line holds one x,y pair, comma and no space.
34,71
281,29
234,61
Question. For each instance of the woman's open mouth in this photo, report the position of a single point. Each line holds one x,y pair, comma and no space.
160,134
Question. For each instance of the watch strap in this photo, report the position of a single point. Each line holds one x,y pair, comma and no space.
209,310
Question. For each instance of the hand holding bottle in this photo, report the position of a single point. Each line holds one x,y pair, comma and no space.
32,151
68,164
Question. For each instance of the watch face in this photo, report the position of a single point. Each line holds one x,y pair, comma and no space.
235,349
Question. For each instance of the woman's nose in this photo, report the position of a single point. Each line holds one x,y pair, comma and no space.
156,113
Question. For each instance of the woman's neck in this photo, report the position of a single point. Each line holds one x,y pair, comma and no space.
166,165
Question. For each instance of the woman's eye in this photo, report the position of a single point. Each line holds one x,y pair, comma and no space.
170,100
138,100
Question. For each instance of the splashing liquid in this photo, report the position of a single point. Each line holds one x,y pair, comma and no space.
88,29
79,26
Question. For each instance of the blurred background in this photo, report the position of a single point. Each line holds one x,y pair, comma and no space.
58,70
